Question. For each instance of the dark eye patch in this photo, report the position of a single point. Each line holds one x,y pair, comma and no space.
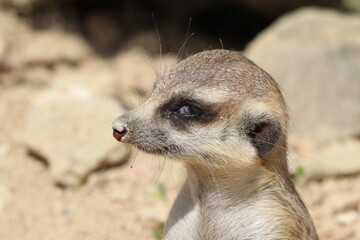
182,111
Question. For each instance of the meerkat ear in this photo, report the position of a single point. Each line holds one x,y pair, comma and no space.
263,134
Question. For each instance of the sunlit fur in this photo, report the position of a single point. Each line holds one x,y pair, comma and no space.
237,186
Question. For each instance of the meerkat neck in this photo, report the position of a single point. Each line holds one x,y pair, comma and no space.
273,169
210,199
230,183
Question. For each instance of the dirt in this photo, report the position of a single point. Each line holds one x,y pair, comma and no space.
120,203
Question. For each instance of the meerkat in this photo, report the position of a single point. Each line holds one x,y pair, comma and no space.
225,119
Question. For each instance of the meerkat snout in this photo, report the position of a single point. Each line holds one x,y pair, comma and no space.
118,135
119,129
226,120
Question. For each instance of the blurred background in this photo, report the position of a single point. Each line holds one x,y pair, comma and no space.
69,68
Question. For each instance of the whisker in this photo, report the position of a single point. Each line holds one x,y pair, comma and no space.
221,42
186,36
158,35
184,44
134,157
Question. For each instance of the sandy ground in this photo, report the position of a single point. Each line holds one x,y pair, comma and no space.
118,203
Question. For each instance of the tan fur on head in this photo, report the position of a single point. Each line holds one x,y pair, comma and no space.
226,119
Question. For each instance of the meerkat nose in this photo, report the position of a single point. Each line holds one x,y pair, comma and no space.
119,133
119,128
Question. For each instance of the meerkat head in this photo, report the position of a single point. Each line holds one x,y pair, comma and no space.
214,108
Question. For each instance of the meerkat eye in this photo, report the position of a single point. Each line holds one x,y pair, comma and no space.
182,111
187,111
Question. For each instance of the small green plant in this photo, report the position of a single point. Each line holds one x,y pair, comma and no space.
159,229
160,192
299,172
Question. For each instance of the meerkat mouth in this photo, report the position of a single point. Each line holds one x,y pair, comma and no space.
169,151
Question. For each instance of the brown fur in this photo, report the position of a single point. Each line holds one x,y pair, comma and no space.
226,119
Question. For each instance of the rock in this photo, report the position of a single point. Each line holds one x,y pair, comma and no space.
148,41
130,78
276,8
3,48
336,158
4,195
27,46
314,55
8,35
70,127
30,55
347,217
36,75
60,47
98,76
136,74
4,149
